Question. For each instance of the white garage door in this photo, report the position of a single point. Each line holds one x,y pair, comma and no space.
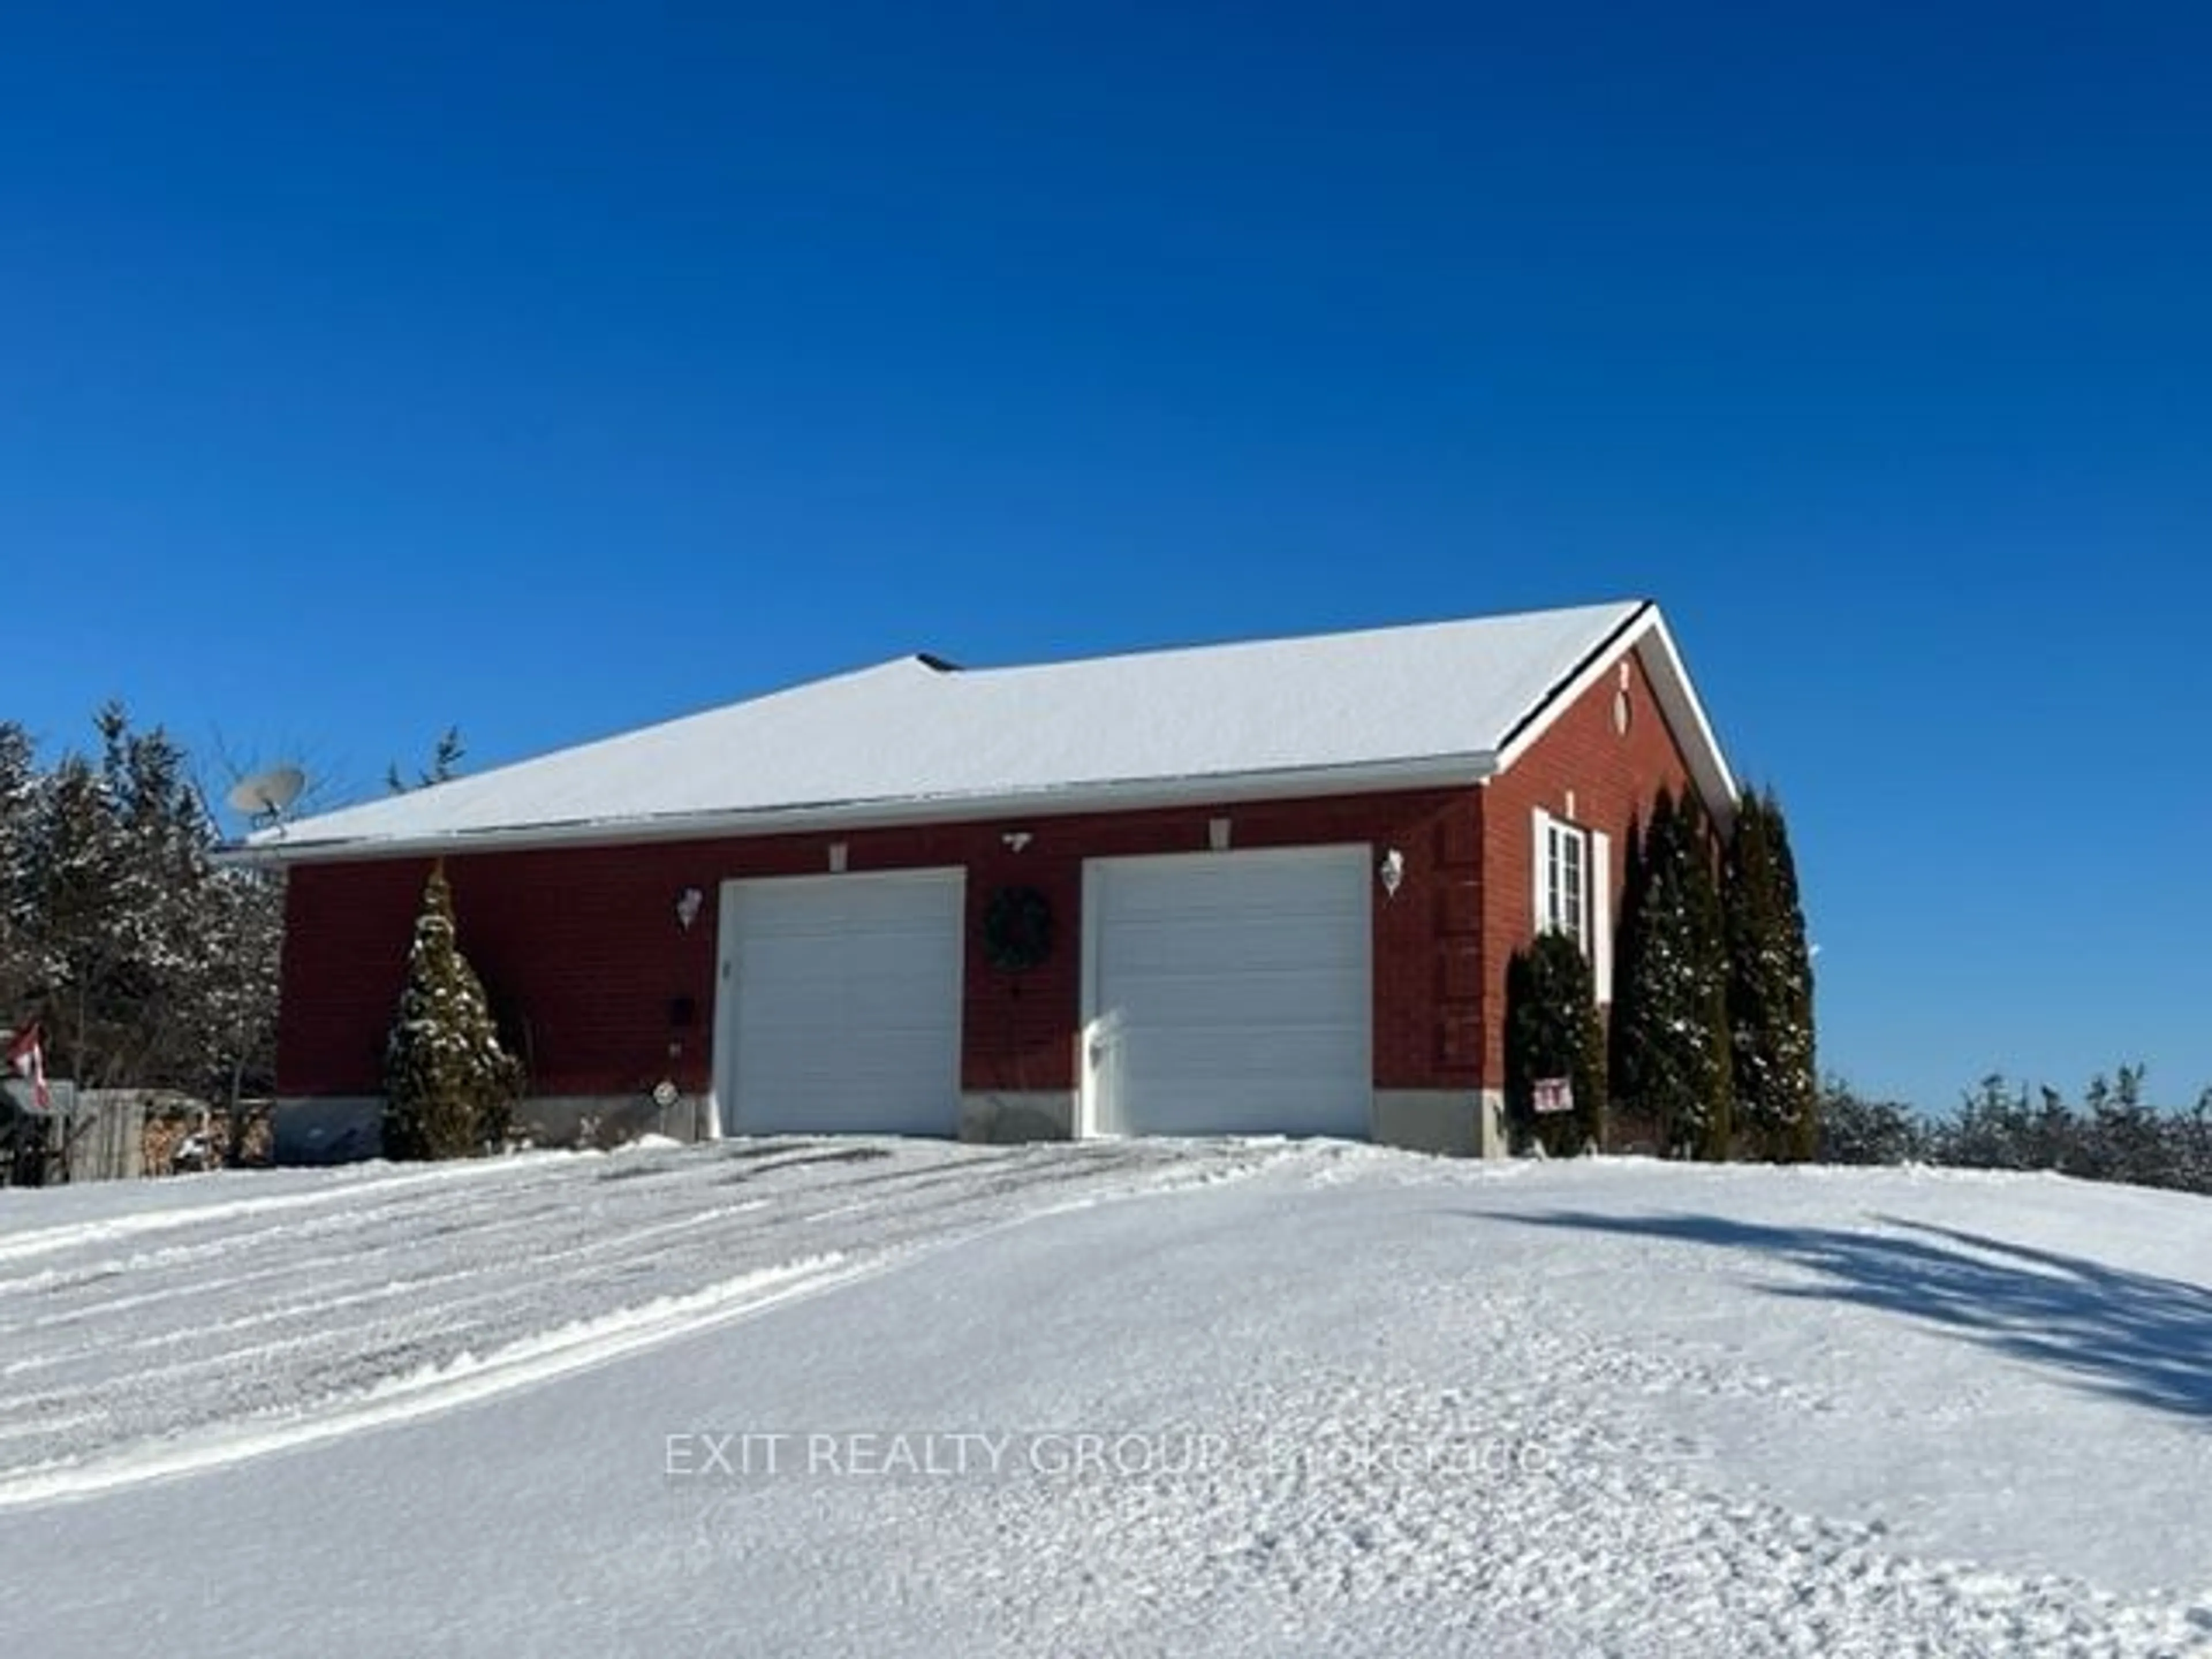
839,1009
1228,994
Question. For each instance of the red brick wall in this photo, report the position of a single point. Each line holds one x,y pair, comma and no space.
346,929
581,949
1613,777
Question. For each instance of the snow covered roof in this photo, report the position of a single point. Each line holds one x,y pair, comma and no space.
916,738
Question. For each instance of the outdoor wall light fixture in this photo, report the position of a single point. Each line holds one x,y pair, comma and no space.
1392,870
687,907
1016,840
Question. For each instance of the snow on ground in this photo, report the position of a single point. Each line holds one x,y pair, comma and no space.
796,1397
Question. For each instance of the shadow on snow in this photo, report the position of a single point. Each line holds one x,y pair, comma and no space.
2132,1336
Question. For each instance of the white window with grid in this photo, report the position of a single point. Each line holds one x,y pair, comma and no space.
1567,893
1573,891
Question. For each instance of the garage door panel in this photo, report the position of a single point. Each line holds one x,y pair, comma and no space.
1234,992
845,997
1218,1050
1301,916
1197,953
1227,940
1269,997
1284,958
1216,1097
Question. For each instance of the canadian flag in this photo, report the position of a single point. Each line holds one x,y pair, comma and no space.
26,1056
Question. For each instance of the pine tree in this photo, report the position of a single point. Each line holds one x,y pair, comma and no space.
1701,875
1799,1051
1671,1019
1551,1031
1624,1015
449,1084
93,995
148,964
1770,986
242,937
19,792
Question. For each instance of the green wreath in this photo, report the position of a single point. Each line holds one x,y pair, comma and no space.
1017,929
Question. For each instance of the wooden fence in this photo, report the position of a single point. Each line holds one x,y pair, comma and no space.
118,1134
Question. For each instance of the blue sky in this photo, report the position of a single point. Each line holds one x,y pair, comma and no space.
551,369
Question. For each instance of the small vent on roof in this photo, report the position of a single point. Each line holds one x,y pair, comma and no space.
942,665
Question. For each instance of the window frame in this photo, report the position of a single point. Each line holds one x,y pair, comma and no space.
1566,852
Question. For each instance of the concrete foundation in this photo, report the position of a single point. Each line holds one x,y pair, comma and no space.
327,1129
346,1130
1457,1122
610,1120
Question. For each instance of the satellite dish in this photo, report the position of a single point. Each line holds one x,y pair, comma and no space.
266,794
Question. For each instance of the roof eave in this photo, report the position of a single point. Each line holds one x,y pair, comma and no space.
1124,795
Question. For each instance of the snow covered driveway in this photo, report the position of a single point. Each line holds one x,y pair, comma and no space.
1352,1402
145,1328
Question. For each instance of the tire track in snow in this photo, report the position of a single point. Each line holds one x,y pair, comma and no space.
423,1193
255,1338
465,1381
317,1306
400,1220
48,1240
232,1244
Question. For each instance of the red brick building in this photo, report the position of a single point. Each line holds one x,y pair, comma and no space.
1256,888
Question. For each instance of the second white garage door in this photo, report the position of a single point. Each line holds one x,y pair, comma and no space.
1228,994
839,1007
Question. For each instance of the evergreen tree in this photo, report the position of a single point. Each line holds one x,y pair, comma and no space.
1857,1130
449,1084
1671,1018
95,995
19,792
1551,1031
1623,1016
1800,1050
148,964
1701,854
2127,1137
1769,994
242,936
120,932
2116,1133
